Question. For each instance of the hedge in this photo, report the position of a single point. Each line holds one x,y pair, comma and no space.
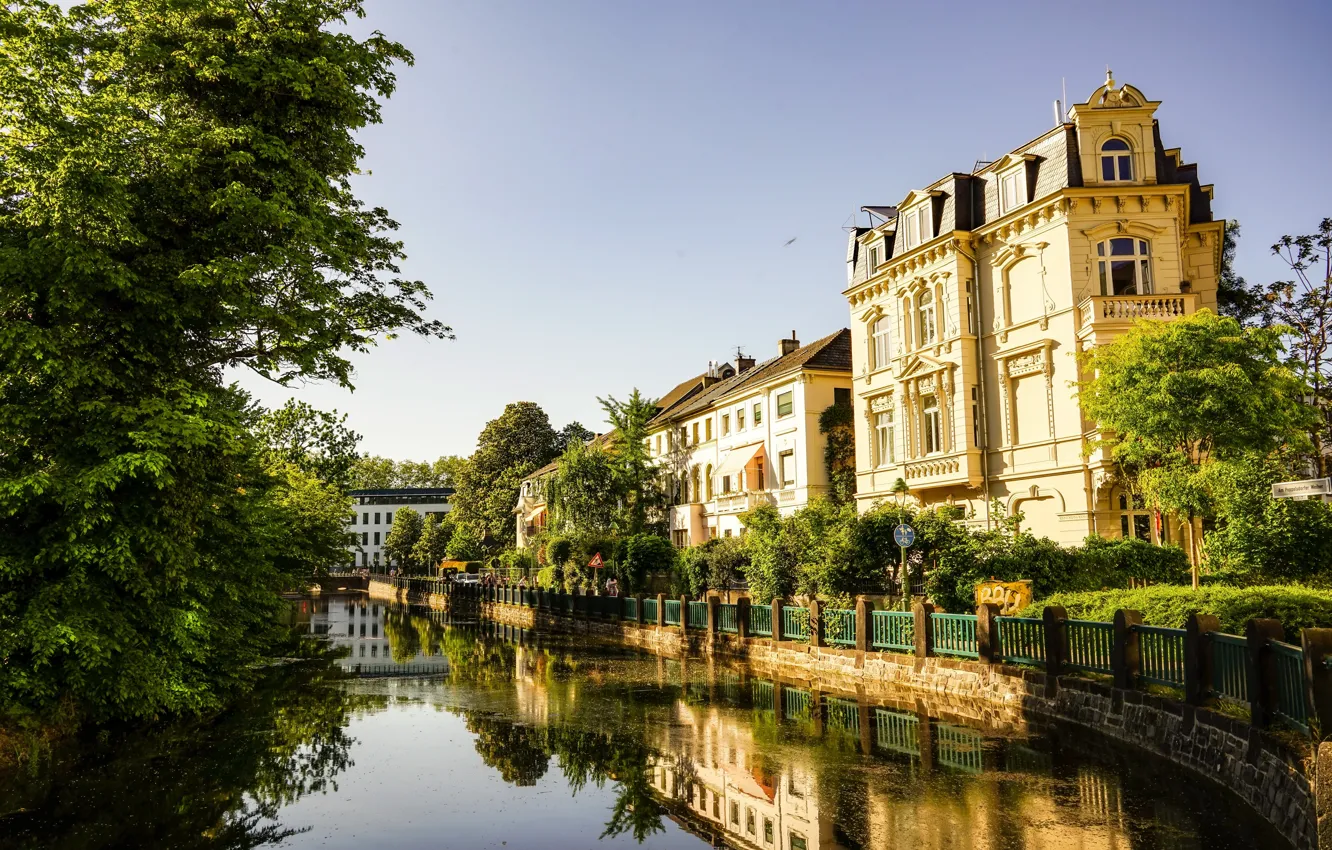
1163,605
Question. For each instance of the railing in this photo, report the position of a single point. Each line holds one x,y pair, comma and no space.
893,630
733,503
630,608
1089,645
839,626
649,611
795,704
760,620
1290,691
698,615
931,467
1021,640
1129,308
899,733
960,747
842,715
727,619
955,634
795,623
1161,652
1230,667
672,612
763,694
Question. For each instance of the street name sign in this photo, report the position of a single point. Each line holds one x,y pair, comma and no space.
1301,489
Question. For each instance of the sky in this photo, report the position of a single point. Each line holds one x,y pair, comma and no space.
600,195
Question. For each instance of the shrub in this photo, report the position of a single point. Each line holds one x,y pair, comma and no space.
640,554
517,559
549,578
558,550
464,545
1162,605
712,565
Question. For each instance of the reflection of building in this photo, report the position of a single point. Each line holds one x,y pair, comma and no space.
971,296
359,626
372,516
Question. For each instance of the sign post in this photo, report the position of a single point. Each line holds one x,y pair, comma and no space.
1306,489
904,535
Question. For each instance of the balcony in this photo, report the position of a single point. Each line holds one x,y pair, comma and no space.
738,503
957,468
1104,317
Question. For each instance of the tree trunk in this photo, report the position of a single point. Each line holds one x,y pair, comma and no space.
1193,553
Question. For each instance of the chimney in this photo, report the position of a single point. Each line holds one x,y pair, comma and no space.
786,346
743,363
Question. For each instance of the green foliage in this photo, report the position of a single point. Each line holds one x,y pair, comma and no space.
510,448
713,565
1296,607
371,472
464,545
580,496
642,554
773,564
837,424
175,203
316,441
433,544
558,550
400,544
572,433
307,518
638,495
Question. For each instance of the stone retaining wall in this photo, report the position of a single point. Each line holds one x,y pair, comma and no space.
1271,776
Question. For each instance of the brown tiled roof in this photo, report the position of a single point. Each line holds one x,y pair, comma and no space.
833,352
682,391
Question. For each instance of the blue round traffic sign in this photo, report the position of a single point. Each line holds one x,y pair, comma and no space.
905,535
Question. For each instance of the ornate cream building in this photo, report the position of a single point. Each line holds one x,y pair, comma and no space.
972,297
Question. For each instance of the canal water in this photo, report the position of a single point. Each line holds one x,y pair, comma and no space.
429,733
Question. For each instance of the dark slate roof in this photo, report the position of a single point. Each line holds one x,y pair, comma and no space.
833,353
682,391
404,491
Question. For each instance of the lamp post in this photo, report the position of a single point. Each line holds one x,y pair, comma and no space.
900,491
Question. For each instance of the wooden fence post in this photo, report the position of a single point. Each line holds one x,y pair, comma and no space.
1126,650
1262,670
816,623
864,614
661,610
987,632
924,628
1056,639
777,605
684,615
742,606
1317,645
714,616
1198,657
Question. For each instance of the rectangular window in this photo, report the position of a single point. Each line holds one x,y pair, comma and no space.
873,259
735,813
758,413
695,433
971,311
376,538
707,428
388,517
841,395
365,519
376,519
798,842
376,559
353,518
767,830
726,424
885,438
785,403
1012,191
739,419
658,444
726,484
749,821
758,483
365,538
365,559
786,466
933,425
925,309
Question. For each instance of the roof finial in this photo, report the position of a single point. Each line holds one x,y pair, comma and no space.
1109,78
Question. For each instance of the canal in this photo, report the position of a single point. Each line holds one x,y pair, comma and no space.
430,733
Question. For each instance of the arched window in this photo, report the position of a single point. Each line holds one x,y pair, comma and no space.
881,340
1135,520
932,436
694,491
1116,161
1125,266
708,478
925,315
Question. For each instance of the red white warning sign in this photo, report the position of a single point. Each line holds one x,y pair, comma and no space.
596,563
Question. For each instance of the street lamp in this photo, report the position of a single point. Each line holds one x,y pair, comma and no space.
900,491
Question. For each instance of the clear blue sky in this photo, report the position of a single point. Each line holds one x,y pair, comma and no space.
599,193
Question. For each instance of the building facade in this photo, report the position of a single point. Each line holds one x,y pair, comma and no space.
750,438
372,517
971,299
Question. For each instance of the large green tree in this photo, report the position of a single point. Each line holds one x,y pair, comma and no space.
639,495
317,441
581,495
432,546
509,448
400,544
1173,398
175,202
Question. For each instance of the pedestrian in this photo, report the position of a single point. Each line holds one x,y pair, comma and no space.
612,587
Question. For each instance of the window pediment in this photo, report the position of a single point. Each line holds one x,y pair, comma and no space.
1012,160
916,196
1123,227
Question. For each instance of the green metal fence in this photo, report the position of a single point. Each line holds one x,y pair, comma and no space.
1230,667
795,623
1291,705
1089,645
959,747
897,732
1021,640
839,626
1161,652
649,611
893,630
843,715
795,704
672,612
630,608
698,615
760,620
764,694
954,634
727,619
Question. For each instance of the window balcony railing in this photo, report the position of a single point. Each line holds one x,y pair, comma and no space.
737,503
1118,312
944,469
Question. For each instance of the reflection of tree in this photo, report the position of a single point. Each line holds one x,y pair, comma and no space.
403,637
517,752
217,782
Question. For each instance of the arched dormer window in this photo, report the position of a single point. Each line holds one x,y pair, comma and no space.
1125,266
925,317
881,338
1116,161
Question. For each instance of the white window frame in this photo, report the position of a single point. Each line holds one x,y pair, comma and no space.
919,225
926,319
1012,190
1118,160
1140,258
785,466
881,340
885,438
931,435
790,398
873,259
725,424
740,418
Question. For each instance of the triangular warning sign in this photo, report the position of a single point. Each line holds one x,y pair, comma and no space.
596,563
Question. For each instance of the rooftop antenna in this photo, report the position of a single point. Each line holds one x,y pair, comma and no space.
1063,96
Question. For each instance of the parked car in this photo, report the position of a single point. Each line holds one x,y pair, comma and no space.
466,578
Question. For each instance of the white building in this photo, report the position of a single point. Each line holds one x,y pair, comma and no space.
372,517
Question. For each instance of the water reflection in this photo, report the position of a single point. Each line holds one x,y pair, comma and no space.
471,735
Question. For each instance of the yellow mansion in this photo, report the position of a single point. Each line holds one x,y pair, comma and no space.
971,298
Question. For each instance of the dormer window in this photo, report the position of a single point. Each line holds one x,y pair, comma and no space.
1116,161
875,258
1012,191
919,226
